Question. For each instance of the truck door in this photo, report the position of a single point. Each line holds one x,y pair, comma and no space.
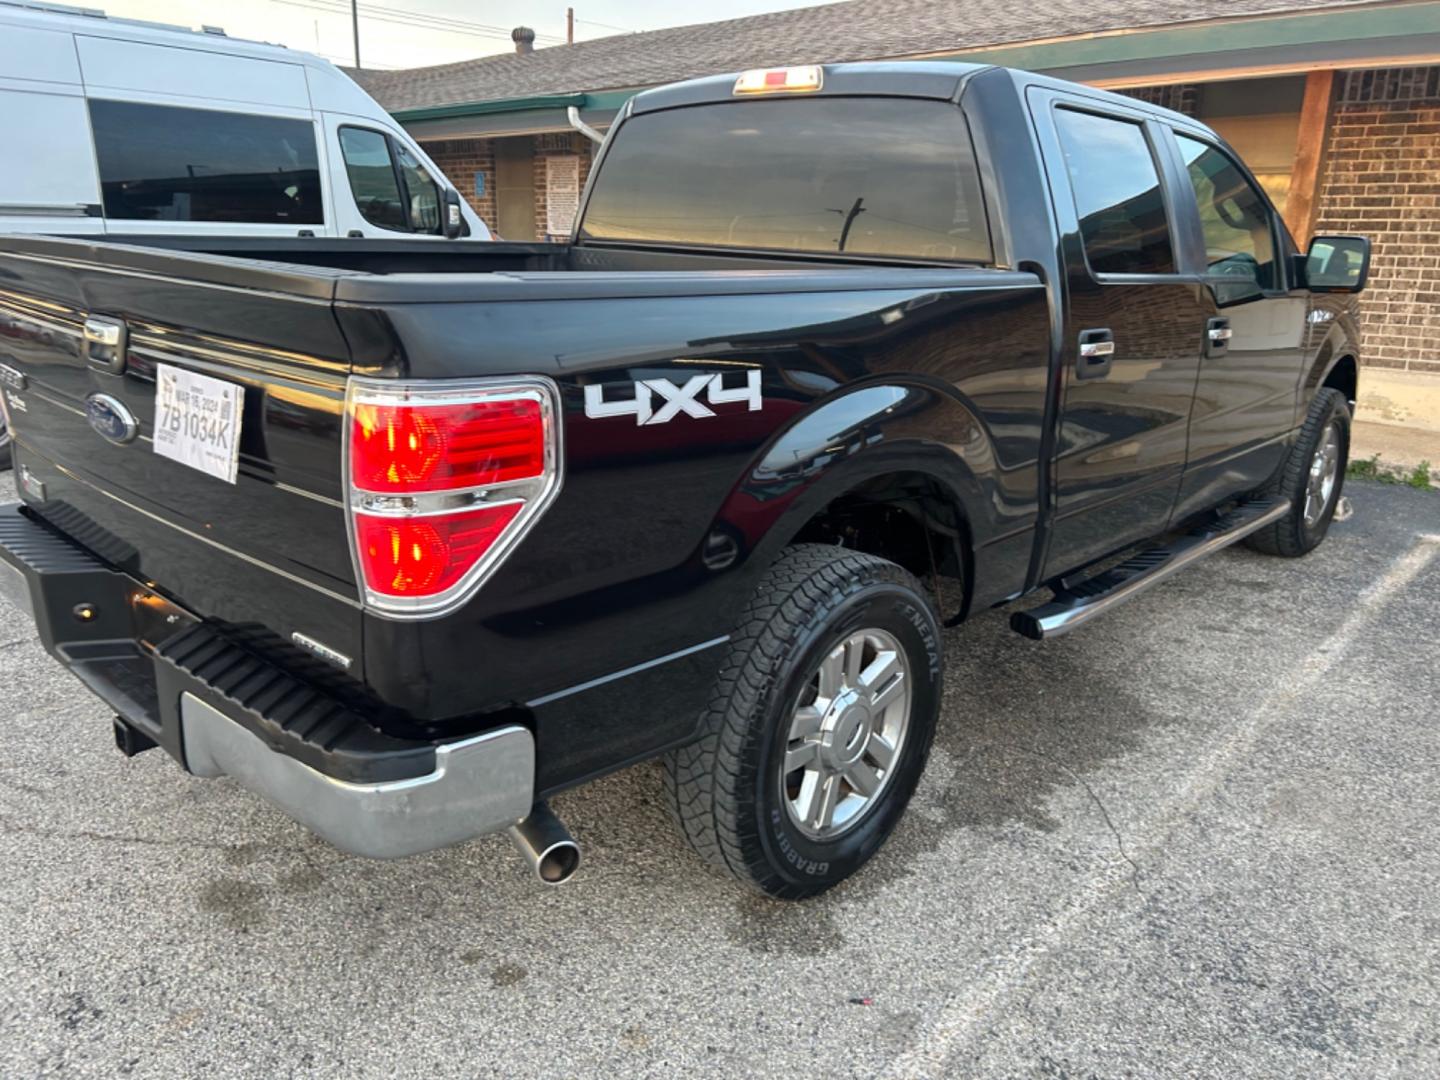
1245,396
1132,327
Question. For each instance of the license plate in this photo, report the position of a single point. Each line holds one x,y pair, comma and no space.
197,421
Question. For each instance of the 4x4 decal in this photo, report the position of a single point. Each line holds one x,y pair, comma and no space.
673,399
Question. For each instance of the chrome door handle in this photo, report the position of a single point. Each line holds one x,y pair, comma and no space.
1217,336
1097,349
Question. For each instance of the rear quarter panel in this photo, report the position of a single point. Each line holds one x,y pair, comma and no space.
613,576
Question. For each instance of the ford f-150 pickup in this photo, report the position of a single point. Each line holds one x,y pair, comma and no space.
407,538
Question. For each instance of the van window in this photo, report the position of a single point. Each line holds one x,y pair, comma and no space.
1118,199
1239,234
372,177
423,194
163,163
392,189
857,176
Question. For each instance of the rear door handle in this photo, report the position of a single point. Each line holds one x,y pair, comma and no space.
1217,336
1097,350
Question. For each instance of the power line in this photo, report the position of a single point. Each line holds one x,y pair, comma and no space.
607,26
419,19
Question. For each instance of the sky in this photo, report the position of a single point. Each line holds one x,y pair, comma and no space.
413,33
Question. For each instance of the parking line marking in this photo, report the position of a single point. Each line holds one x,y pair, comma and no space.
959,1021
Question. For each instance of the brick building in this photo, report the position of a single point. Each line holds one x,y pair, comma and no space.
1335,104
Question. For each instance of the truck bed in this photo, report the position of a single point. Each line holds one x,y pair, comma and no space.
614,575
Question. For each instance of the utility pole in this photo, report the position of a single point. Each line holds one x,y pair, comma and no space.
569,26
355,23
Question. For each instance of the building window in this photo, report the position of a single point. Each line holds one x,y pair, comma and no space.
1118,199
162,163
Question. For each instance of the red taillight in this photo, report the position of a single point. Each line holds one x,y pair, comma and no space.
422,556
445,478
407,447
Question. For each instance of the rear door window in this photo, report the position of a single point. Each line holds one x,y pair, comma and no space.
885,177
164,163
1118,198
391,187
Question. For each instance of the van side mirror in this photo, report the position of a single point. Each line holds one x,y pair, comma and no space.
1337,263
454,219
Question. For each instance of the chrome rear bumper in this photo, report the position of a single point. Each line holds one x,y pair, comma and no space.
479,785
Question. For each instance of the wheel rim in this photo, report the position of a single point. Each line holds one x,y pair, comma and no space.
846,735
1324,472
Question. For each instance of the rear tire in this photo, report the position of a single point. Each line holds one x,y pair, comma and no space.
834,667
1310,478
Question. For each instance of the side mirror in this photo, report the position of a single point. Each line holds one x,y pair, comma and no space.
454,219
1337,263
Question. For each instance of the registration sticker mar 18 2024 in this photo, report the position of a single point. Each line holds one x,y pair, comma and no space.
197,421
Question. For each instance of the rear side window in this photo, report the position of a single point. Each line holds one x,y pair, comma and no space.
1239,232
1118,199
884,177
161,163
391,188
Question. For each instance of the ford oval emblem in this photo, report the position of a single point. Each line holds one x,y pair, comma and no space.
111,418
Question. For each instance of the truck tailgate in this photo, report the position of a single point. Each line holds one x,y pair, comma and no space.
271,547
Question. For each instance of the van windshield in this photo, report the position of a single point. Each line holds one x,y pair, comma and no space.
887,177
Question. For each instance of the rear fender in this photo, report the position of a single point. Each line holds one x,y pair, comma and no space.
868,432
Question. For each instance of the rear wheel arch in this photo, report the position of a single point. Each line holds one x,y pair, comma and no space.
913,456
915,509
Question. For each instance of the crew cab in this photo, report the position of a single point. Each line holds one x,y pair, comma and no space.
408,538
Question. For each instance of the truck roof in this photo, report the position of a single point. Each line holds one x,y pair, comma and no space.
935,79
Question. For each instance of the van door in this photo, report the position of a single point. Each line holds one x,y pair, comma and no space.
48,180
384,185
381,187
1132,329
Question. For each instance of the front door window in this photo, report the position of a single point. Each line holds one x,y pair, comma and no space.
1239,233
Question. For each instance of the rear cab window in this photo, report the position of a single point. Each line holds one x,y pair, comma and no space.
168,163
392,189
887,178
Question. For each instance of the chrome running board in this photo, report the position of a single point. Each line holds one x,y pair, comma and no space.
1076,604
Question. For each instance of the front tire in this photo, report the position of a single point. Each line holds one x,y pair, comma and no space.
1311,478
820,726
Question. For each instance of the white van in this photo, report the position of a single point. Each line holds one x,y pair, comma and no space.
118,126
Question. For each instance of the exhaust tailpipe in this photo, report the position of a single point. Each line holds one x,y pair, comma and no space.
546,845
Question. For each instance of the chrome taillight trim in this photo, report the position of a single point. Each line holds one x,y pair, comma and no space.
536,493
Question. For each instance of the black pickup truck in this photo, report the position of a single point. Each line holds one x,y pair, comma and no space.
406,538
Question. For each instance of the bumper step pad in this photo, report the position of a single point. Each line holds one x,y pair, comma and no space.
288,714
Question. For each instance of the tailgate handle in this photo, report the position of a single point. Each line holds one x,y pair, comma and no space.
105,344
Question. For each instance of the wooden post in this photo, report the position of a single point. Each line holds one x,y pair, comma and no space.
1304,196
569,26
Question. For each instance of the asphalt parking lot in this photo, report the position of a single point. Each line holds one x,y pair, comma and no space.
1200,838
